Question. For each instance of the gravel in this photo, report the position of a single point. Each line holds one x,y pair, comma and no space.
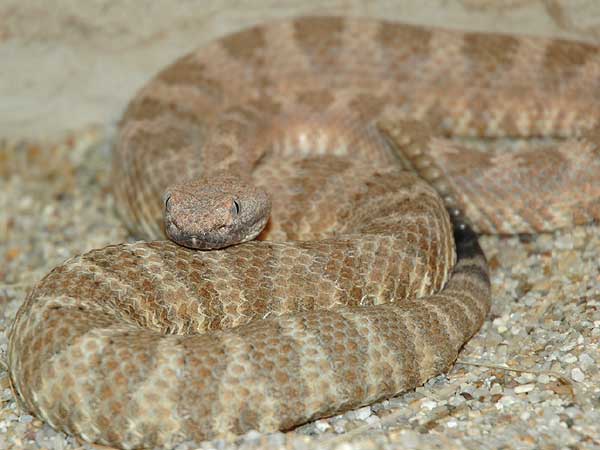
528,380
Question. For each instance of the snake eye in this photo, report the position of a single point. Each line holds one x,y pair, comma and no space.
236,208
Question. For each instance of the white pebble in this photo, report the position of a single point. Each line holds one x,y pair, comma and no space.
496,389
322,425
252,436
568,347
543,378
586,360
523,388
359,414
505,401
26,419
429,404
456,400
577,375
340,426
525,378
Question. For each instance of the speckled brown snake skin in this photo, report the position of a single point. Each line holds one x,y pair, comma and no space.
354,296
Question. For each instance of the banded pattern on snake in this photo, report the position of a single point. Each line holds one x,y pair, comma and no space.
353,291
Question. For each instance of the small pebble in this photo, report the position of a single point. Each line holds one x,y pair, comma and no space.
251,436
340,426
496,389
523,388
505,400
577,375
586,361
543,378
322,425
359,414
429,404
26,419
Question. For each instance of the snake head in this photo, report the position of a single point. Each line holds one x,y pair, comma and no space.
215,212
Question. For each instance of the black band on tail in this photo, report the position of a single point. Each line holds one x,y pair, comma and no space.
467,248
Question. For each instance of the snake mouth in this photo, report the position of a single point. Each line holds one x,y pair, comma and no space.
218,238
211,240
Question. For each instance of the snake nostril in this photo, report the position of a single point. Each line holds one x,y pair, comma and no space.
167,199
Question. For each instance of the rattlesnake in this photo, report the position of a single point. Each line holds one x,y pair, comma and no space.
351,294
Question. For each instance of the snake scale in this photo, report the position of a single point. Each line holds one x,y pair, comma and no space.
357,289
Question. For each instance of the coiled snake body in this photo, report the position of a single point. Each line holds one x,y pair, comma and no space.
351,294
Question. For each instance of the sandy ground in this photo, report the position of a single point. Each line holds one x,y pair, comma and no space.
67,71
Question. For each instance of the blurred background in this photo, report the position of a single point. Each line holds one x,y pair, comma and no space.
66,65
